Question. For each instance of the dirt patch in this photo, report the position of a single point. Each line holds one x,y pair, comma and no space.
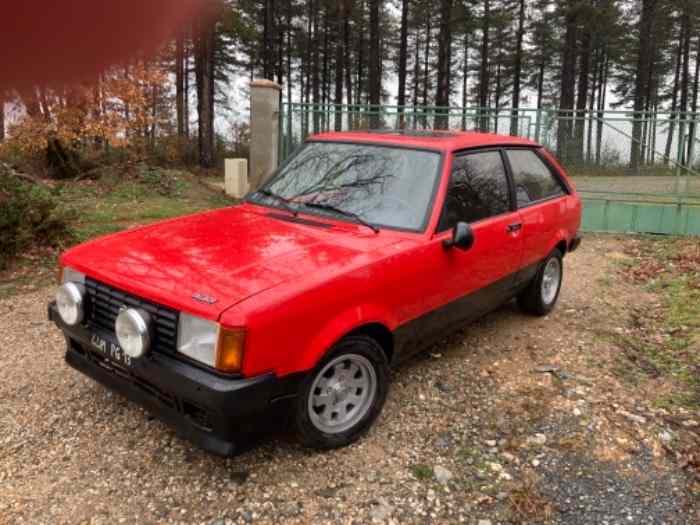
535,420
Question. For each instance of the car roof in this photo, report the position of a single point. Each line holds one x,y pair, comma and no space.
439,140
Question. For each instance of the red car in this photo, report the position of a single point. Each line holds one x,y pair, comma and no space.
361,249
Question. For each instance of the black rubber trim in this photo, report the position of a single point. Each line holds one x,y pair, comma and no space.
575,243
299,220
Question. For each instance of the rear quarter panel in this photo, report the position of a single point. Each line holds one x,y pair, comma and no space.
571,218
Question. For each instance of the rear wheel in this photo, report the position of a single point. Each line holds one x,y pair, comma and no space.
344,395
542,293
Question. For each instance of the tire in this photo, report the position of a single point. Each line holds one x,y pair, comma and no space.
356,398
541,295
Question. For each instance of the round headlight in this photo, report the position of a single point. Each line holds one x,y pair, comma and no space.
70,304
132,329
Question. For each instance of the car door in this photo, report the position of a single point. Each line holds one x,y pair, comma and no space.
464,284
540,197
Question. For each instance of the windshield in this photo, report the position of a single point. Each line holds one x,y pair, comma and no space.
380,185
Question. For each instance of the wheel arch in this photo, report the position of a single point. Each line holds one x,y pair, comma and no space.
380,333
562,246
368,320
559,242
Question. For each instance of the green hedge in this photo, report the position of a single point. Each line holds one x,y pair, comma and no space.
30,215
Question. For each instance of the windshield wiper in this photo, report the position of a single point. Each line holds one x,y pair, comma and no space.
346,213
285,202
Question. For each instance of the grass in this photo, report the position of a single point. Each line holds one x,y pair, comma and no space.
664,342
112,203
526,504
422,472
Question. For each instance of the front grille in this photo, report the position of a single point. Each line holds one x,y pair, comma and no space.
105,302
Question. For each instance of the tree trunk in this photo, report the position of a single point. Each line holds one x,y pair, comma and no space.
403,61
517,69
348,60
361,31
268,52
497,92
602,91
154,116
646,137
316,69
465,80
674,99
281,34
426,69
325,87
2,117
568,83
416,77
288,57
180,84
442,94
581,101
591,105
186,109
646,25
694,118
484,67
204,66
375,80
339,65
685,84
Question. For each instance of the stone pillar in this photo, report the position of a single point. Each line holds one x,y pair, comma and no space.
264,130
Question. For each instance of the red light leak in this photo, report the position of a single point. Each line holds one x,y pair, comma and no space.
74,40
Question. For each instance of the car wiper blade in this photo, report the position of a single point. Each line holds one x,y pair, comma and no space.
285,202
355,216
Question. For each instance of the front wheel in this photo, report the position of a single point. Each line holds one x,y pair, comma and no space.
343,396
542,293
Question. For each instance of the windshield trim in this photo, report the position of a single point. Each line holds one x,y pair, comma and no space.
319,213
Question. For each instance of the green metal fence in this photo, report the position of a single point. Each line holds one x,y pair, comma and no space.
636,171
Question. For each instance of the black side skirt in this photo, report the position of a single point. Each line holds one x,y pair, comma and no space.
427,329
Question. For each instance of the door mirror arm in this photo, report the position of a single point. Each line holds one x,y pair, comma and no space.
462,237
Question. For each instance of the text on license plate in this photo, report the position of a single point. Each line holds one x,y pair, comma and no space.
110,350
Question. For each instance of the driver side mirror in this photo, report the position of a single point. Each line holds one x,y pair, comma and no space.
462,237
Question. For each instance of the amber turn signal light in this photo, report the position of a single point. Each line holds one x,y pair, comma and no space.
229,353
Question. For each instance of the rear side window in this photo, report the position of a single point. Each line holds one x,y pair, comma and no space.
478,189
533,180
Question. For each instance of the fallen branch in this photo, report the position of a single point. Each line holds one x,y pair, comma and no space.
19,175
560,374
86,174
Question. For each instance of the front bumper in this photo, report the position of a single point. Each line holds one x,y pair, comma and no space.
212,411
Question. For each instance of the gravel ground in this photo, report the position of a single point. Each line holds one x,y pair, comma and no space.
513,420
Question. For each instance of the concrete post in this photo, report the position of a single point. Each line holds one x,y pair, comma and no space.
264,130
236,178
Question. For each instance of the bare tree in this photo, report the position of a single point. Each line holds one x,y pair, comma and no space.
205,39
375,76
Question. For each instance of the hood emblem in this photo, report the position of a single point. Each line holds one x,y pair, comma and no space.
202,298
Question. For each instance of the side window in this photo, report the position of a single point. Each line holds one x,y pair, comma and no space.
478,189
533,179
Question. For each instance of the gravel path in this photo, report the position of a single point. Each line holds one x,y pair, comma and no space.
469,434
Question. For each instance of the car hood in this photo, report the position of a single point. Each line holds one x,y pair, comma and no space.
208,262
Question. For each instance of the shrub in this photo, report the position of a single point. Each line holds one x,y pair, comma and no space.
29,216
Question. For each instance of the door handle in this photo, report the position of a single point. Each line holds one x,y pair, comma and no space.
516,226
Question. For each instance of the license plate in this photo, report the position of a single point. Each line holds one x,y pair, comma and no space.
111,351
